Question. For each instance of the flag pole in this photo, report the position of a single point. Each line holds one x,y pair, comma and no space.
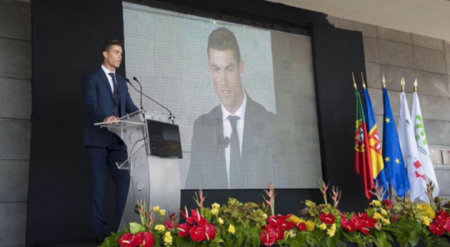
354,81
402,83
363,82
415,85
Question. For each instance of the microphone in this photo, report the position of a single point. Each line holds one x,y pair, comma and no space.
140,92
171,117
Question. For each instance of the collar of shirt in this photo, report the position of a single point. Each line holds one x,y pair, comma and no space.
240,112
109,77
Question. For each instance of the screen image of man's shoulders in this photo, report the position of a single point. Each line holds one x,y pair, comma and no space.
231,145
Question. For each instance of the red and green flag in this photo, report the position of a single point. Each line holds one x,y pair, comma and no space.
362,148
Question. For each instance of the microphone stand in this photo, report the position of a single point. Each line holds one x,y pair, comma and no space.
171,116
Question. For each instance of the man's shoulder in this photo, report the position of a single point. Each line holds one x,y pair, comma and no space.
92,74
255,108
212,116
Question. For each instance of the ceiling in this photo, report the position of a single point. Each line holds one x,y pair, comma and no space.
425,17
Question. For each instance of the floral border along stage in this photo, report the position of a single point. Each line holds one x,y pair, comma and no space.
248,224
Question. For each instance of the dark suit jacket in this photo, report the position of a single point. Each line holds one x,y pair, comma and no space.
208,166
100,103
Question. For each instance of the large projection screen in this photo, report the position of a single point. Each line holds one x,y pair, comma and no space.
264,77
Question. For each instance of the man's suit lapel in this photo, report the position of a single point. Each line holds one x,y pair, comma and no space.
106,82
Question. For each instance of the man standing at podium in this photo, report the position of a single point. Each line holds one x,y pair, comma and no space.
106,99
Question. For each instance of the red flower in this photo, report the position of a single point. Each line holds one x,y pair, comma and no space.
347,225
281,221
183,230
362,222
394,218
436,229
387,204
327,218
136,240
188,219
446,225
125,240
197,233
197,217
169,224
146,239
267,236
301,226
210,231
365,230
279,233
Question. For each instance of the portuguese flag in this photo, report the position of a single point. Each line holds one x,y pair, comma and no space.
362,158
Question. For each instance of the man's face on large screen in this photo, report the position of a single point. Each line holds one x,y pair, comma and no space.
226,74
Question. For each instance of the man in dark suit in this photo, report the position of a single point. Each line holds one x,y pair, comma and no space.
231,145
106,99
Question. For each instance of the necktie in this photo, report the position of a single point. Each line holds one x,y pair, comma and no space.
116,93
236,171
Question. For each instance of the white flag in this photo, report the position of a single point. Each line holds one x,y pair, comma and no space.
417,180
422,146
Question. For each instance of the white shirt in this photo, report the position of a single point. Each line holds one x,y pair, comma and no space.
109,77
227,131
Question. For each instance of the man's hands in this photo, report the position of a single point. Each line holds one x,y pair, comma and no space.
111,120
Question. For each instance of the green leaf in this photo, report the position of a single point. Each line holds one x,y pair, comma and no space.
136,227
298,241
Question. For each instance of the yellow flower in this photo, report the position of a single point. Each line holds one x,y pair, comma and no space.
427,211
331,231
156,209
383,212
426,220
386,221
220,220
163,212
377,216
168,239
376,203
231,229
310,226
323,226
160,228
264,216
296,219
215,205
215,211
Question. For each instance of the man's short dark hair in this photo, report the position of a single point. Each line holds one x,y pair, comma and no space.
107,45
223,39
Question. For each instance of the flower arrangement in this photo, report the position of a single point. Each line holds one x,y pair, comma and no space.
249,224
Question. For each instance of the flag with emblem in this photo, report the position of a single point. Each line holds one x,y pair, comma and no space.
416,175
362,161
392,154
422,146
375,151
